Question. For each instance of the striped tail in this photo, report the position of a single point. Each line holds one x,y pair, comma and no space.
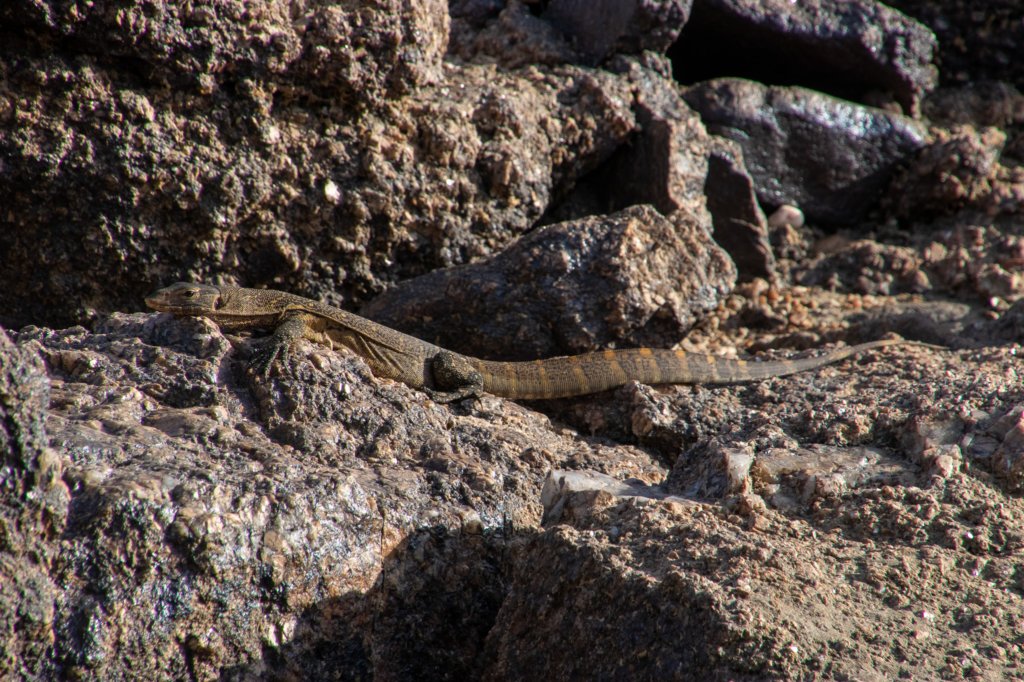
574,375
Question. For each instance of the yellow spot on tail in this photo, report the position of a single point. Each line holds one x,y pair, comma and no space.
581,376
616,369
645,352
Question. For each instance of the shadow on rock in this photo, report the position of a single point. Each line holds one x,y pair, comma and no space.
426,616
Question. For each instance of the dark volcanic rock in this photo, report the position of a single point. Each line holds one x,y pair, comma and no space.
33,508
633,278
205,48
663,162
977,42
846,48
601,28
222,521
741,227
828,157
146,184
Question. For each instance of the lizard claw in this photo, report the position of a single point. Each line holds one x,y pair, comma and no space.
264,352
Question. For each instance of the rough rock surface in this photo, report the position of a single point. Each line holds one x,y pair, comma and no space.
757,596
654,277
829,157
206,47
241,515
167,514
664,162
855,49
959,169
968,253
34,502
144,182
740,225
975,43
599,29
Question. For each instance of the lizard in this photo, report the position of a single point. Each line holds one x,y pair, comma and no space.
446,375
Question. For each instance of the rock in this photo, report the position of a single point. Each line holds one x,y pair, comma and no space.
985,103
976,257
652,276
567,493
786,215
202,49
664,162
165,510
332,206
959,168
740,225
1009,326
847,49
560,589
796,478
623,582
257,522
34,503
712,470
973,45
1007,461
869,267
508,34
831,158
600,29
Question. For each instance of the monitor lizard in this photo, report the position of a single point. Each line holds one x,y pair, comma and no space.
448,376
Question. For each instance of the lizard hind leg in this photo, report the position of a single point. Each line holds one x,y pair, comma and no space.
454,378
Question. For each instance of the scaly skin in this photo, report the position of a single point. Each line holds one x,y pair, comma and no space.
446,375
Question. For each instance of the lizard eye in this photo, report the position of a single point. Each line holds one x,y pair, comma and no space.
189,293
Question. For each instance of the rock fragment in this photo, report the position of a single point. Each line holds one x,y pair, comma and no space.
740,225
651,275
829,157
568,493
850,49
601,28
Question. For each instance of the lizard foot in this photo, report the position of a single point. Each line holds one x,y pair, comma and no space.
264,352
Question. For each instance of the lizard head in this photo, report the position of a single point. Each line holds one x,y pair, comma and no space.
185,298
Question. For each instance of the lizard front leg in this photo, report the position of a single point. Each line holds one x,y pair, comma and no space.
454,378
265,351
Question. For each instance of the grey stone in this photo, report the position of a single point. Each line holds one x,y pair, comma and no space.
601,28
856,49
829,157
651,276
740,225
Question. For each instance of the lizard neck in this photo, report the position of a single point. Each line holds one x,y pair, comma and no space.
242,309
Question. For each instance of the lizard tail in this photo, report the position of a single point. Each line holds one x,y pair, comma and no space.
574,375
